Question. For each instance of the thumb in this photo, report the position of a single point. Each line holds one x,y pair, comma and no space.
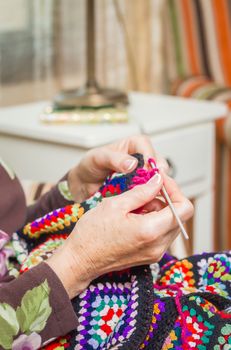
141,194
117,161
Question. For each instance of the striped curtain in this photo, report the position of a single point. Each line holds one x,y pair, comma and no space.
198,65
199,39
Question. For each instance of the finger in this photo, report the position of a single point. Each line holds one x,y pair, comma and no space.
108,159
172,189
135,144
141,144
140,195
161,163
182,205
155,205
164,220
156,249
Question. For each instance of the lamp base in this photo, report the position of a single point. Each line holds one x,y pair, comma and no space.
91,97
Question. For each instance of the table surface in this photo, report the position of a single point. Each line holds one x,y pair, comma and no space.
149,114
161,113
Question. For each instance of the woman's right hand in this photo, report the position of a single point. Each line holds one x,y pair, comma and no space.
112,237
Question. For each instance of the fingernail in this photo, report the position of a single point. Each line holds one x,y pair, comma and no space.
155,180
129,164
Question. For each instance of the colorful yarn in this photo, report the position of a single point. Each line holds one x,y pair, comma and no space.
158,312
173,304
60,343
214,272
43,251
181,273
54,221
101,309
143,175
177,300
63,219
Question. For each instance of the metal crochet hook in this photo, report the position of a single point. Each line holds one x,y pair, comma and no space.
168,199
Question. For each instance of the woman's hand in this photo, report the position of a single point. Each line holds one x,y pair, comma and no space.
89,174
112,237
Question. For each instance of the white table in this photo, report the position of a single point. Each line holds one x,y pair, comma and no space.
182,130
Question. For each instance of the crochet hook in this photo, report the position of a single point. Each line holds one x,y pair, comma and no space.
168,199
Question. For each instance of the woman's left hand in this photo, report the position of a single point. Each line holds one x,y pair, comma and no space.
86,177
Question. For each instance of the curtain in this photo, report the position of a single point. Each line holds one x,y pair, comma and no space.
42,46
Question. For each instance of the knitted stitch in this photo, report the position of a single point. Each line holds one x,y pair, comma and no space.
173,304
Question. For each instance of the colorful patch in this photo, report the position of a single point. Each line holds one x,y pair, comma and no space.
43,252
180,274
158,310
116,314
197,333
173,341
107,315
199,330
54,221
224,340
60,343
94,200
207,307
214,273
155,271
20,248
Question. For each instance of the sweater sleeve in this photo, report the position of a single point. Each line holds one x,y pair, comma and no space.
59,196
34,308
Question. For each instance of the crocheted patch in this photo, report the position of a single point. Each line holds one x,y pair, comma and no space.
170,305
43,251
158,313
100,314
213,272
179,273
54,221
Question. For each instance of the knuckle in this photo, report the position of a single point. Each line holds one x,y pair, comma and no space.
141,238
141,192
188,209
155,255
164,165
144,234
160,255
144,138
108,203
93,153
137,194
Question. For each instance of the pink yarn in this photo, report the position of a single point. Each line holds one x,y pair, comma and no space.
174,287
151,162
179,295
143,175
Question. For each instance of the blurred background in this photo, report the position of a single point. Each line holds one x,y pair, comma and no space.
42,46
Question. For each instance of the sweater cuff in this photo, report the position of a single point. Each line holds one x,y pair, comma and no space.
61,193
64,190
